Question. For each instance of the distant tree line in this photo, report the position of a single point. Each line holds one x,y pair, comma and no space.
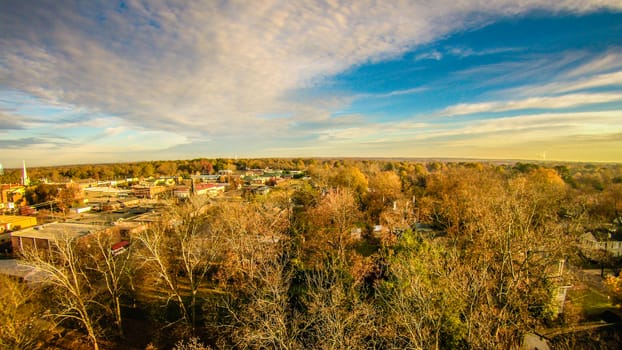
150,168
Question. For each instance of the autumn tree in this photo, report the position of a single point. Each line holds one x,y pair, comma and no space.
384,190
68,196
146,170
610,202
332,222
167,168
614,284
336,314
250,277
423,297
11,176
69,283
114,269
266,319
510,237
20,314
41,193
176,254
350,177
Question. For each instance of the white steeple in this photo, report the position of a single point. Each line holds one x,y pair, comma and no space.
25,179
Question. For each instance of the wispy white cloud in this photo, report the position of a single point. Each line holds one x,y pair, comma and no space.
393,93
578,123
548,102
601,80
114,130
610,61
531,69
468,52
10,121
462,51
566,72
565,85
431,55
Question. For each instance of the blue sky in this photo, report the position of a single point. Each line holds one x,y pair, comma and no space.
105,81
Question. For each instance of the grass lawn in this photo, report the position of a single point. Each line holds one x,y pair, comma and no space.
592,301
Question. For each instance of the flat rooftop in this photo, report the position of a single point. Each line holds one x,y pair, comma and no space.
110,217
15,268
56,230
10,219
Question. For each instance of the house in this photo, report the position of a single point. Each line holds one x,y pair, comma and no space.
261,180
610,243
257,180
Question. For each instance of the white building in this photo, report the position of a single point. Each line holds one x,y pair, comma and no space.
591,244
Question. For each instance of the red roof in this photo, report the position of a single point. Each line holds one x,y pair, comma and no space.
119,245
201,186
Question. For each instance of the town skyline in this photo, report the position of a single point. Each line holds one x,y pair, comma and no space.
108,82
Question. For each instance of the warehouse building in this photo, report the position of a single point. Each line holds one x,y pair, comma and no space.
42,237
16,222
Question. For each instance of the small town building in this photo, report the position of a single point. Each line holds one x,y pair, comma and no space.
206,178
134,225
16,222
591,245
10,194
262,190
181,192
15,268
105,191
148,191
210,189
43,236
